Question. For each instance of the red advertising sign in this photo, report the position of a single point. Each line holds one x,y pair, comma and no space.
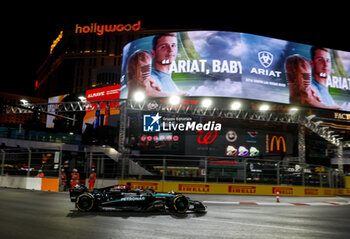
105,93
102,109
207,138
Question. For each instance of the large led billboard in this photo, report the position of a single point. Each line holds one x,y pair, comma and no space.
230,64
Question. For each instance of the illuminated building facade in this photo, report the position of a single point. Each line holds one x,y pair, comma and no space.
86,57
209,64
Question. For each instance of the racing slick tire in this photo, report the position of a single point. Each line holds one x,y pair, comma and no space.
85,202
180,204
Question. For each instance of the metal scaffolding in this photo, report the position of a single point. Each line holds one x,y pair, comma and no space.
301,118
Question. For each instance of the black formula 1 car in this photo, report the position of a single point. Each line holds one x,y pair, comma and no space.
122,197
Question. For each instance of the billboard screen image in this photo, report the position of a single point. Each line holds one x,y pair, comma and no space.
239,65
93,117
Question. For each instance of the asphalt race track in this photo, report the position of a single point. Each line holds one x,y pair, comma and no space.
35,214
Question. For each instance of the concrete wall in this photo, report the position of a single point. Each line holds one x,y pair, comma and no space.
20,182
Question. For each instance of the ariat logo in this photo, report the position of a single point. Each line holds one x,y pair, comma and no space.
265,58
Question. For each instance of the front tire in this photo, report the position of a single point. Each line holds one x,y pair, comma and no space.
180,204
85,202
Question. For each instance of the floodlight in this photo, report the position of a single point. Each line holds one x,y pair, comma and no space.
24,101
82,98
206,103
293,110
174,99
236,105
139,96
264,107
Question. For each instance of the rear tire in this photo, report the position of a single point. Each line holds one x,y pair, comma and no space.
180,204
85,202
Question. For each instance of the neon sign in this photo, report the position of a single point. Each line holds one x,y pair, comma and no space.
54,43
101,29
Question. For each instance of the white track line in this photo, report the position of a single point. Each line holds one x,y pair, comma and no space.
329,203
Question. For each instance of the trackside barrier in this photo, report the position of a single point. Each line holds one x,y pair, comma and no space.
236,189
49,184
101,183
52,184
347,181
43,184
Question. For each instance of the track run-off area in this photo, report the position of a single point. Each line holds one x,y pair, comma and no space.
37,214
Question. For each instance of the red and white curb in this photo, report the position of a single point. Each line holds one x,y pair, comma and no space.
279,203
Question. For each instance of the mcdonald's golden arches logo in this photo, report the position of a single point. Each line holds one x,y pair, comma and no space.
275,143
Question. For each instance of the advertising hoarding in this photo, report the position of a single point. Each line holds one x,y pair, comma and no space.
210,136
239,65
100,116
52,109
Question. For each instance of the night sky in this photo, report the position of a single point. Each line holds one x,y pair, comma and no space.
29,35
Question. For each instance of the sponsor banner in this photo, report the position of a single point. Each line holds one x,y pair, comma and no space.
347,182
209,135
283,190
99,114
242,189
311,191
156,186
239,65
276,143
194,188
215,137
235,189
